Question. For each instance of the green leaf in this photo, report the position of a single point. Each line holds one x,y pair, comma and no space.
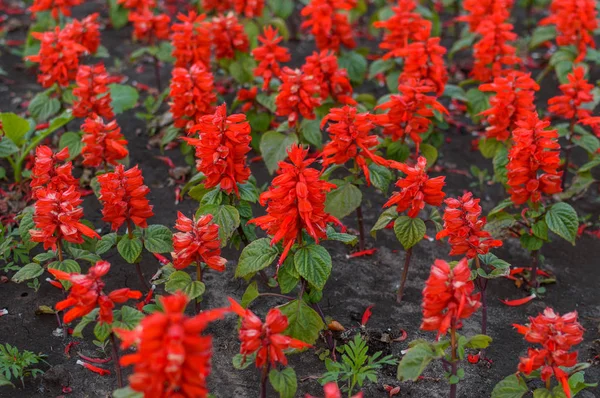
543,393
258,255
562,220
241,69
489,147
381,177
542,34
284,382
384,219
310,130
118,14
250,294
259,121
313,263
274,146
430,153
68,265
42,107
72,141
226,217
478,102
102,331
479,341
86,320
106,243
288,276
29,271
268,101
4,381
241,362
586,166
248,192
540,229
531,243
409,231
181,281
130,249
7,148
355,64
129,318
343,200
461,44
126,392
588,142
282,8
303,322
577,383
340,236
123,97
158,239
14,127
26,224
455,92
415,361
380,66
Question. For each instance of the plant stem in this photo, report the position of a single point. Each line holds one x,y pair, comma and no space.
115,358
361,228
534,266
290,298
482,284
129,229
199,279
404,275
263,380
138,268
243,236
454,358
568,154
157,74
59,250
328,336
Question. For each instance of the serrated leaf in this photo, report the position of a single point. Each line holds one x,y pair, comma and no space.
313,263
303,322
384,219
430,153
455,92
542,34
123,97
181,281
7,148
510,387
381,177
356,65
26,224
241,362
562,220
158,239
343,200
86,320
479,341
311,132
248,192
274,146
409,231
530,242
489,147
288,276
348,239
284,382
129,317
118,14
415,361
102,331
126,392
250,294
42,107
258,255
72,141
226,217
14,127
106,243
27,272
130,249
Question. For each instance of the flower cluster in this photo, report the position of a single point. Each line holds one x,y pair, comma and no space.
265,339
87,293
249,8
218,6
149,27
48,173
328,22
350,139
247,98
172,357
575,93
221,149
228,36
448,296
416,189
192,94
298,95
54,6
85,32
557,335
480,10
334,81
191,40
91,94
268,55
533,161
575,21
464,227
137,6
513,102
123,195
424,61
197,241
296,202
103,143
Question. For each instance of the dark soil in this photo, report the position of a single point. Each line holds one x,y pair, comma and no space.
354,283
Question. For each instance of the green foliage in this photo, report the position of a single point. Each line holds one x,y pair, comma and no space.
225,216
303,322
258,255
409,231
17,365
313,263
384,219
123,97
274,146
512,386
130,248
562,220
284,382
181,281
356,366
343,200
415,361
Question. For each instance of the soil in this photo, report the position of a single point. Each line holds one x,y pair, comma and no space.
354,284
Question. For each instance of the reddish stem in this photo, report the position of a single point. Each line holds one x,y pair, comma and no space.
404,275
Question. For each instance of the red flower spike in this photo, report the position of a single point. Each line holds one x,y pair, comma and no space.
198,241
92,94
424,62
513,102
465,229
350,139
328,22
191,40
85,32
557,335
403,27
332,391
266,339
54,6
533,161
86,294
448,296
575,94
295,202
123,195
192,95
218,6
148,27
49,173
249,8
575,21
333,81
416,189
228,36
296,95
221,149
247,98
480,10
103,143
138,5
57,216
172,356
269,55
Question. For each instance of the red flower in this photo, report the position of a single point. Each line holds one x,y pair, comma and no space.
123,195
424,61
296,202
402,28
513,102
58,57
172,358
480,10
576,21
250,8
533,161
148,27
191,40
103,143
464,227
409,113
266,339
557,335
297,95
47,173
333,81
198,241
228,36
54,6
87,293
218,6
448,297
268,55
137,6
350,139
332,391
329,23
192,94
221,149
416,189
85,32
57,216
247,98
92,94
576,93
